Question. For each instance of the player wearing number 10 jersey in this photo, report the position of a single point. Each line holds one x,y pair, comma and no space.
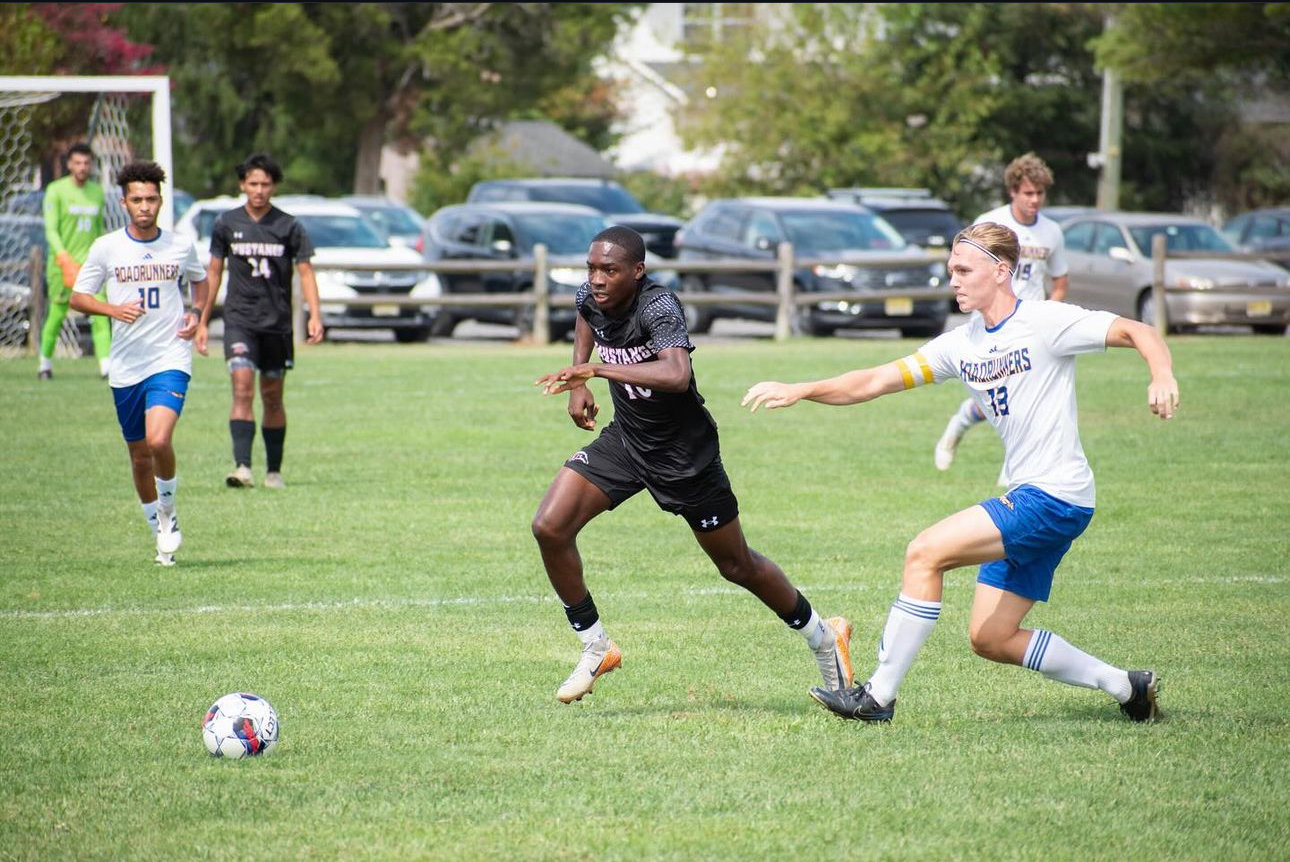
146,271
662,439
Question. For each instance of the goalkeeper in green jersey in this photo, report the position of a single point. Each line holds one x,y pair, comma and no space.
73,220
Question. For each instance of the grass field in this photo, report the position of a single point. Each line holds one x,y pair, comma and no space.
392,605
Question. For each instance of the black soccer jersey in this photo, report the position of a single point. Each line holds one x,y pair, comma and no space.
261,258
670,435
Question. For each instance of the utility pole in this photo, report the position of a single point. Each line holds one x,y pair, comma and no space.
1108,156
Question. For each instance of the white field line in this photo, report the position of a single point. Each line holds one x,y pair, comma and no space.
404,603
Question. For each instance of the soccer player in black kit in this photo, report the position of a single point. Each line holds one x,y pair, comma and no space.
662,439
261,243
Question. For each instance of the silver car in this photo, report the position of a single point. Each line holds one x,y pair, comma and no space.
1111,269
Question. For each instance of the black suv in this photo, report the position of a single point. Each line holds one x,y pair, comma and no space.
817,228
605,196
921,219
502,231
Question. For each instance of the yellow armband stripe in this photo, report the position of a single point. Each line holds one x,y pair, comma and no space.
914,370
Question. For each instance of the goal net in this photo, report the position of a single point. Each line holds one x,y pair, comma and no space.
122,119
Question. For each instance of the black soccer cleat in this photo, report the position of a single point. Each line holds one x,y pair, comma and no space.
855,703
1142,705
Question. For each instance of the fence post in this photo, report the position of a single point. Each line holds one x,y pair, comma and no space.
541,298
784,287
1159,248
35,300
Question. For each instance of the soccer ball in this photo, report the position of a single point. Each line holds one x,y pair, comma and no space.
240,725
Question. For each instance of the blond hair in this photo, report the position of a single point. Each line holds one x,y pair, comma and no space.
1027,167
994,239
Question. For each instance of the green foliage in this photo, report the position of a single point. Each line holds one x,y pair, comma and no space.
392,605
658,193
439,183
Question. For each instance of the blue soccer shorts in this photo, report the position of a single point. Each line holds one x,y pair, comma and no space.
163,389
1037,532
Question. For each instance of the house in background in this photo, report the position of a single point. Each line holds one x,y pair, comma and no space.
641,63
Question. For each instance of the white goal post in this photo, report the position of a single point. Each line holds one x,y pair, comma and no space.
158,86
109,132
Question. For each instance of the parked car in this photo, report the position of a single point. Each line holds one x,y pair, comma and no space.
921,219
1262,231
1110,268
753,228
1063,212
340,235
503,231
605,196
401,224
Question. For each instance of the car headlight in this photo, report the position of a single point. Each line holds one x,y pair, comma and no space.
567,275
1194,282
838,271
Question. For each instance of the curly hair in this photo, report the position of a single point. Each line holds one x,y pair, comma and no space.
1027,167
140,172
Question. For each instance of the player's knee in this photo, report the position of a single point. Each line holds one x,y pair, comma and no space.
987,642
549,531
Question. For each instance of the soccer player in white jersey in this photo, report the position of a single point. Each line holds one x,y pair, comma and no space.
1043,257
1017,360
146,271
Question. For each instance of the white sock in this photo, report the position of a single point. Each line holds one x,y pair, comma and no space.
815,630
150,513
1055,658
909,623
166,493
592,633
46,363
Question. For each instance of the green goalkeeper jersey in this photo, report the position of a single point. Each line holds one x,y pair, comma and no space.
73,217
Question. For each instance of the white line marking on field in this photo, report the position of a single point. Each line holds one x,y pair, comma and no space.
454,601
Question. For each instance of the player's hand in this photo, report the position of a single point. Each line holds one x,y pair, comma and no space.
128,313
1162,397
188,326
565,379
70,268
314,330
583,408
770,395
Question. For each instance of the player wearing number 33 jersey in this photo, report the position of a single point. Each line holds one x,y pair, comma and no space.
157,274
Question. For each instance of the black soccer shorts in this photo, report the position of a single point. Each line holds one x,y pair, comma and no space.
272,353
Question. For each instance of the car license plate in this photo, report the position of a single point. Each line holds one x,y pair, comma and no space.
898,307
385,311
1259,308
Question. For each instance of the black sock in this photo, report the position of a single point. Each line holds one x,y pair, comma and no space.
243,433
273,441
801,614
583,615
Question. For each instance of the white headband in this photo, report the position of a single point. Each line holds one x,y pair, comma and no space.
983,248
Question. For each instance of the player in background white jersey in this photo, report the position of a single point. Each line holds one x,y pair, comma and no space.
1017,359
1043,257
146,271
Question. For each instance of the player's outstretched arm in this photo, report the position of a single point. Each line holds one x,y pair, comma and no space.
853,387
1162,391
309,289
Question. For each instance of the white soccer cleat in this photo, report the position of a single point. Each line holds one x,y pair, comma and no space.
947,446
834,654
598,658
168,536
165,559
274,480
240,477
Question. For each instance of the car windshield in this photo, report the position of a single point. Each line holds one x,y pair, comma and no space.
605,198
341,231
394,220
813,232
561,234
918,225
1181,237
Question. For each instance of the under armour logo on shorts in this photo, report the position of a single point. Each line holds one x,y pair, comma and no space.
580,456
709,522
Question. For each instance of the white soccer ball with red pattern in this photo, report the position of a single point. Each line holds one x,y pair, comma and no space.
240,725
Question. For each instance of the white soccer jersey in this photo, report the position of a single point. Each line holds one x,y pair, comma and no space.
1043,251
159,273
1021,374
